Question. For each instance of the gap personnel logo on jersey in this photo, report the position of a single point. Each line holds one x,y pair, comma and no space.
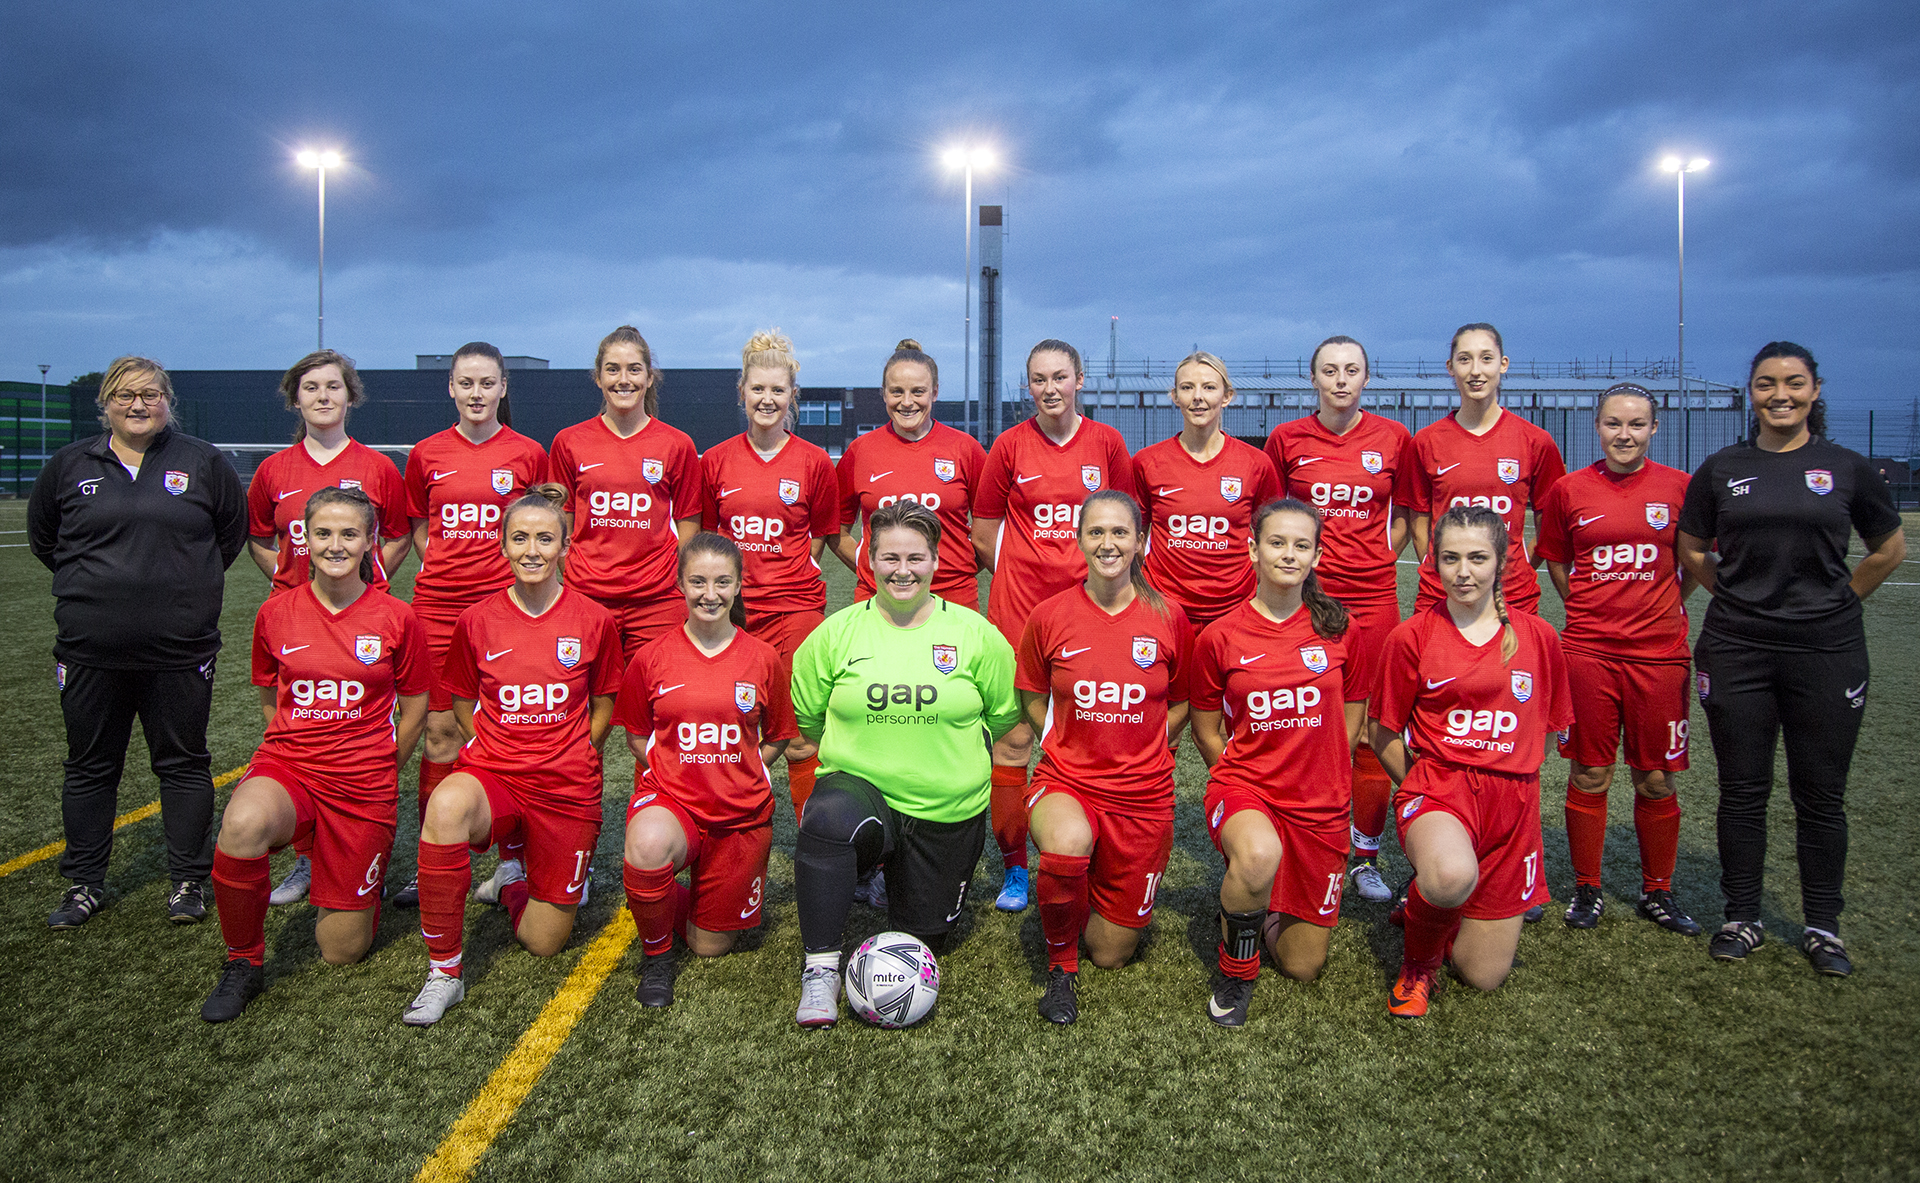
945,470
176,482
1507,470
1705,686
1659,514
744,696
1315,657
1090,477
653,470
1229,489
567,649
1412,807
1522,685
1818,479
946,658
1372,462
349,483
503,481
789,491
1145,651
367,649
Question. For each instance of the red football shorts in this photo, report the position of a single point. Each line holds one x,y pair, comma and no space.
642,621
1502,816
347,833
1313,856
1366,637
558,848
783,630
437,620
1129,858
1648,700
727,869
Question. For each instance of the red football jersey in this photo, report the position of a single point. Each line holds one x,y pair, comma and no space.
941,470
1507,469
277,502
1035,488
1110,679
773,510
461,488
1283,689
1617,533
625,495
337,678
705,719
1351,478
532,679
1461,705
1199,516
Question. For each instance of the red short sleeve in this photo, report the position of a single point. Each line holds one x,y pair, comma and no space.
1550,515
1120,464
605,679
776,715
632,709
1031,672
1353,683
416,486
392,495
266,672
413,668
823,505
1391,704
1412,487
1178,685
260,506
996,479
460,672
1207,685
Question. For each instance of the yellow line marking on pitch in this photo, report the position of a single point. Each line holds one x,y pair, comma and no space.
126,819
490,1111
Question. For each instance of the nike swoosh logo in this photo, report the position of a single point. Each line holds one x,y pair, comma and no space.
573,887
1251,660
432,936
441,476
1314,460
288,493
852,661
747,913
1218,1011
736,489
1528,894
1433,685
1329,909
668,689
365,888
491,655
1675,755
876,476
1164,492
1449,468
286,649
1745,480
1857,691
1585,521
1021,480
1066,653
596,464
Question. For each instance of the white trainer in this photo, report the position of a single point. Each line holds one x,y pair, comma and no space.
1367,881
819,997
510,870
295,886
440,992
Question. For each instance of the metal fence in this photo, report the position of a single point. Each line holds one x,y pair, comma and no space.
27,436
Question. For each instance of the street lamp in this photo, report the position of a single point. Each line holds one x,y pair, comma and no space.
1680,169
43,413
321,161
965,157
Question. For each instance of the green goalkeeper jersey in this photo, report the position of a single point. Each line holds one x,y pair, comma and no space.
913,711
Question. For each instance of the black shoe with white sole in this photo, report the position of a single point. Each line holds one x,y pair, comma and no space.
81,901
656,980
1736,939
1231,998
1659,906
1827,954
185,903
1587,906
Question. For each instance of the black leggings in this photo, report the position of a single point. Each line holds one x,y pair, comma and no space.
1751,696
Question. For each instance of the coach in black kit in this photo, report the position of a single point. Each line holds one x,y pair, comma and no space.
138,526
1783,646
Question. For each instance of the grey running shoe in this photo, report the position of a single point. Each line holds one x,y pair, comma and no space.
80,902
185,904
1365,875
819,997
295,886
440,992
872,891
510,870
1736,939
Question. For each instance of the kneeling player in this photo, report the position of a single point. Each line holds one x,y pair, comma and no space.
1103,679
332,658
1475,689
706,708
532,671
1276,702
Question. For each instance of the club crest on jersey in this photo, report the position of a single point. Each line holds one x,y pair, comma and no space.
60,674
347,482
1372,462
1818,479
789,491
1315,657
1090,477
652,470
176,482
1522,685
503,481
1145,651
1229,489
567,650
946,658
1412,807
945,470
744,696
1659,514
1507,470
366,650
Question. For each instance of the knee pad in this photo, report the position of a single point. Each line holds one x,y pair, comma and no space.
839,816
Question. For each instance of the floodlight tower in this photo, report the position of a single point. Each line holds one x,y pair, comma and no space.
1680,169
321,162
991,234
966,157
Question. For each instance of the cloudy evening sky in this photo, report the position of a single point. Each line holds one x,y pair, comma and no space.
1247,177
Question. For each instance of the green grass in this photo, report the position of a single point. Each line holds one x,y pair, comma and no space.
1620,1053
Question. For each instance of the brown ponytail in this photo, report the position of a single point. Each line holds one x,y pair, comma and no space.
356,499
1486,519
628,335
706,542
1137,571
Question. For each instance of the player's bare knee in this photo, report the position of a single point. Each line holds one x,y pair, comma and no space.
1449,886
244,832
1652,783
1484,977
711,944
1301,967
1592,780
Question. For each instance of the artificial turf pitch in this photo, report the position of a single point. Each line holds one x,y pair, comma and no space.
1619,1053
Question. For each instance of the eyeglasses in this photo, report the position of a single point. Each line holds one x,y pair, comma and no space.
124,398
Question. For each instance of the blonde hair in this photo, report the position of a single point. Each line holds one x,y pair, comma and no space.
770,349
123,371
549,496
1201,357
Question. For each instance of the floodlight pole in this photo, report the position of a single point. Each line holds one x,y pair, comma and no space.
43,413
320,340
966,289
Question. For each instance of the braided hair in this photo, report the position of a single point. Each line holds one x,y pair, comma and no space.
1329,616
1472,516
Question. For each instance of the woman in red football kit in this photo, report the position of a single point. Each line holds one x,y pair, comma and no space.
707,708
1025,527
1468,692
1102,676
633,494
343,675
1199,491
320,386
533,671
1609,534
775,495
1277,700
459,481
1346,462
913,458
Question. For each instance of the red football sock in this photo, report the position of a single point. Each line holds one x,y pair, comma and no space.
800,777
432,772
1009,809
650,899
1061,888
513,897
1372,791
1430,930
446,872
1586,833
240,889
682,907
1656,821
